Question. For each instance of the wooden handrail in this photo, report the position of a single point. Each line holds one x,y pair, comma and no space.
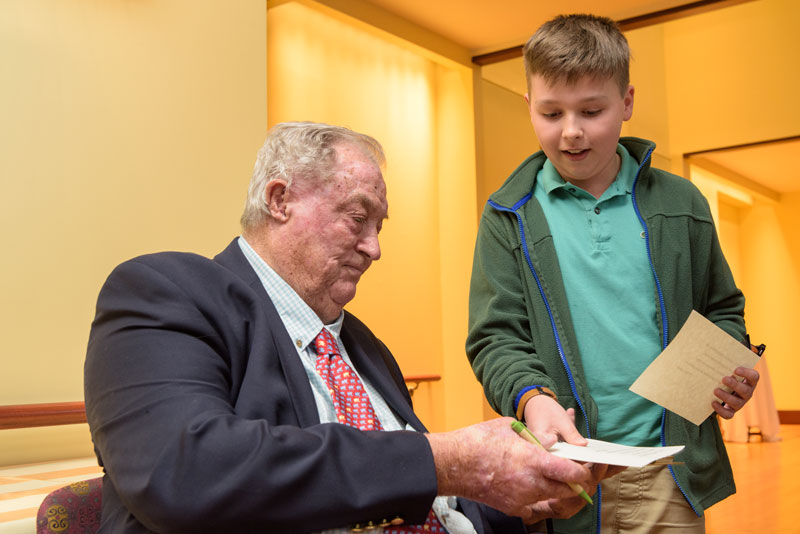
416,380
422,378
69,413
49,414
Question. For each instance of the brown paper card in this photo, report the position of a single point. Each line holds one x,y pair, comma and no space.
683,377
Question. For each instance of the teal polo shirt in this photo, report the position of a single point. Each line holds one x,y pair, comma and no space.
611,294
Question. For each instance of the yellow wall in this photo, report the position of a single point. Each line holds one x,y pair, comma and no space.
506,137
324,66
770,257
128,127
650,103
729,226
732,77
714,80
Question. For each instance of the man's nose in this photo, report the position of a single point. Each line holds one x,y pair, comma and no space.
370,246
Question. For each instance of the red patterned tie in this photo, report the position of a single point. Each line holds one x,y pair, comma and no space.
350,401
354,408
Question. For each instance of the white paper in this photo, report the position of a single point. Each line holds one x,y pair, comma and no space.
604,452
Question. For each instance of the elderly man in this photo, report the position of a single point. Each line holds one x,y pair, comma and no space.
236,395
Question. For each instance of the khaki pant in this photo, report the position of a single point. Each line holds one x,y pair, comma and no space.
647,501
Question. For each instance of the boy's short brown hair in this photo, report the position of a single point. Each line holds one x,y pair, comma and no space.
570,47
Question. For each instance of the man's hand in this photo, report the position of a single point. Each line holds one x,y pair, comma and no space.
490,463
742,391
564,508
548,421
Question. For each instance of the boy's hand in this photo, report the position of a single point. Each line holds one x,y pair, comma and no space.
742,391
548,420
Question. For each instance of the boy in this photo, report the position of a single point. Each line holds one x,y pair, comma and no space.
586,265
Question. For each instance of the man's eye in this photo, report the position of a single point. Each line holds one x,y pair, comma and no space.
551,115
592,112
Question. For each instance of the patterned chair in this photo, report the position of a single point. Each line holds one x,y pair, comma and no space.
73,509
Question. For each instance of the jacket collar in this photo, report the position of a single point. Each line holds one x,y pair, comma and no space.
520,183
305,408
378,368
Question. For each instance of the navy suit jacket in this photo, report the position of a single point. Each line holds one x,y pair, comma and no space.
204,421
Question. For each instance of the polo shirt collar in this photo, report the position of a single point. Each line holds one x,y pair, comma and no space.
550,179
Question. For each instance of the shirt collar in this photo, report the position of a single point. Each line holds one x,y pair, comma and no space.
300,321
627,170
550,180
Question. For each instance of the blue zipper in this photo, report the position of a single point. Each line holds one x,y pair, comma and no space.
571,379
665,330
526,252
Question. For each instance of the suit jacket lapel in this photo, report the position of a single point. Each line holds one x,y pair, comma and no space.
367,359
305,407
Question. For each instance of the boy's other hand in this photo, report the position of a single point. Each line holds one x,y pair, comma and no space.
742,384
548,421
569,506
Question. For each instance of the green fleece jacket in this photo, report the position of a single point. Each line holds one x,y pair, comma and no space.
521,334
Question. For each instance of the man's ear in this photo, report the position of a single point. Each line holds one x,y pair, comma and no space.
276,198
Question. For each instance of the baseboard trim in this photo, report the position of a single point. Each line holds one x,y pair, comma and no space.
789,417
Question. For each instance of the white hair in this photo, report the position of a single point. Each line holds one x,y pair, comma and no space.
300,150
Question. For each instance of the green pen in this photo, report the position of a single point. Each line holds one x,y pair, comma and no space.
525,432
